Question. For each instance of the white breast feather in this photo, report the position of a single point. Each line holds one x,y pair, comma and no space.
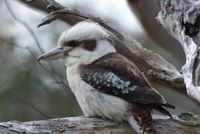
94,103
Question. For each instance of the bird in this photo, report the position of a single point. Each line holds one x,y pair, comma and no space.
105,83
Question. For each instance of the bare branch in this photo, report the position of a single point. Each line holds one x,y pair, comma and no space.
51,71
5,81
29,104
58,80
42,5
24,25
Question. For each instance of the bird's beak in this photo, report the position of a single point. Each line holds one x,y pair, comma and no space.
54,54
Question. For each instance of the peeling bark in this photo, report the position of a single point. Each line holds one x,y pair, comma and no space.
184,123
181,19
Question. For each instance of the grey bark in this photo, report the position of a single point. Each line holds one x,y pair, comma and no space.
181,124
181,19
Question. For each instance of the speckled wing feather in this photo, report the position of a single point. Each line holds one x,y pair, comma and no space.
116,75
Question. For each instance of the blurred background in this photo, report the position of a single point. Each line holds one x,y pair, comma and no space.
33,91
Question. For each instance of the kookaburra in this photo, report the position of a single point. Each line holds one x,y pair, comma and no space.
105,83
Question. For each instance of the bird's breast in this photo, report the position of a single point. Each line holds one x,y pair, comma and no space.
94,103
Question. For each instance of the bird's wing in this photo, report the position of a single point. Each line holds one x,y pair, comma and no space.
115,75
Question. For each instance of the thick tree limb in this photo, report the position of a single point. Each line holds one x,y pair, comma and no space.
83,125
182,20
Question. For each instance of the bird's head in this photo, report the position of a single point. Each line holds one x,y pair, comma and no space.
83,43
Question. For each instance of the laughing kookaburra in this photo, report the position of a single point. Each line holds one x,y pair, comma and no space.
105,83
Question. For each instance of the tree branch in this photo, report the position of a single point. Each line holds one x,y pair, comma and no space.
83,125
42,5
182,20
62,84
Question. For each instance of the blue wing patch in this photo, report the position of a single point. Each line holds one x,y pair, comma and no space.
108,82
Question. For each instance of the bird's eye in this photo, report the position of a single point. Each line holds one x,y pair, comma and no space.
72,43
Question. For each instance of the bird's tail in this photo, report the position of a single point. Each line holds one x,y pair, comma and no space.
143,119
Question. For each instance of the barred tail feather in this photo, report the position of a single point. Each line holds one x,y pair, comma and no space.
143,119
146,122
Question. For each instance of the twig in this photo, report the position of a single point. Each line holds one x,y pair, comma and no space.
7,77
21,99
25,25
62,84
56,14
29,104
51,71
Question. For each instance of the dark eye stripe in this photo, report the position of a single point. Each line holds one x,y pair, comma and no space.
72,43
90,45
